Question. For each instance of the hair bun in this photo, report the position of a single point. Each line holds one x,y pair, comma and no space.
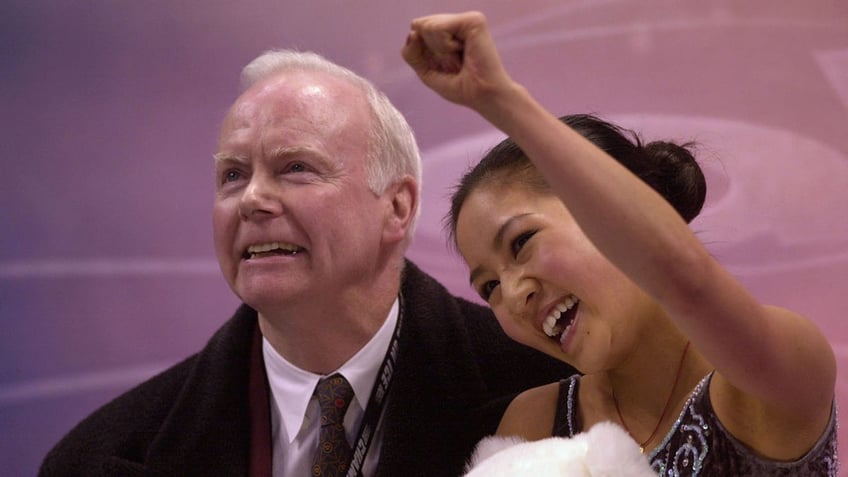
676,175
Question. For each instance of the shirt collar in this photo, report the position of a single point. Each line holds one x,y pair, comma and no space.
292,387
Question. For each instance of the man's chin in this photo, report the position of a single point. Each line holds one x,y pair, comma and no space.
268,299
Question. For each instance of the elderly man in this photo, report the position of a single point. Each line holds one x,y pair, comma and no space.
317,192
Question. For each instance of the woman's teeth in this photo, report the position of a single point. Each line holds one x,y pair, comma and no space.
551,327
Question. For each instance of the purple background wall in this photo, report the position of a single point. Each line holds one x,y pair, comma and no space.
111,109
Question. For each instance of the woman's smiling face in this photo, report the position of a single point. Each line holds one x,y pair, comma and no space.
547,284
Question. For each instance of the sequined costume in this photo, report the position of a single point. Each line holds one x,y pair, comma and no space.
698,444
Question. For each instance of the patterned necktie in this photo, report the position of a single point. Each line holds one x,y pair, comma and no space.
334,453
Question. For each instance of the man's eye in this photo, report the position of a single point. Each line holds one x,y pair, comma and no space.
519,242
488,288
296,167
231,176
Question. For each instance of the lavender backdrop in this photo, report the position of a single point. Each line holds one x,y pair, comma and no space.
111,109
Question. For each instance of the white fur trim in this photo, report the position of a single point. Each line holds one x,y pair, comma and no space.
606,450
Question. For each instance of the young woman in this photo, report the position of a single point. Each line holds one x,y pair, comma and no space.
581,259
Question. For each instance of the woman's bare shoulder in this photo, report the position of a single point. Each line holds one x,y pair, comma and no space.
531,414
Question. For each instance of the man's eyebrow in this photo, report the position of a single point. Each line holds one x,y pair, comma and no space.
283,151
286,152
497,242
278,154
220,157
303,151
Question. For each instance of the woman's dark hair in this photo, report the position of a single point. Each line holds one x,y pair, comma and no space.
669,168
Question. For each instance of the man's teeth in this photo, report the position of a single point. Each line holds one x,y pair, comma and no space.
550,326
285,248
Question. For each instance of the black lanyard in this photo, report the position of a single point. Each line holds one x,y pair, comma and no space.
377,401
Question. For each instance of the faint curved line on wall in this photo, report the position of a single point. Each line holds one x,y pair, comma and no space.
789,264
834,66
718,17
509,40
530,19
62,268
119,378
534,39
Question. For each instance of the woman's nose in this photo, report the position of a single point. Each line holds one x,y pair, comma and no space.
518,291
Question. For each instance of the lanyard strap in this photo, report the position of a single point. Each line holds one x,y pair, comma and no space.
377,401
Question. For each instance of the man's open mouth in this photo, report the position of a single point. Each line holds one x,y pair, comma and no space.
271,249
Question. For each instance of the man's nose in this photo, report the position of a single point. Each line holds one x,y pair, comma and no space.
261,199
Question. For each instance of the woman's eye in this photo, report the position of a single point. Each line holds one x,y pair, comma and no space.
488,288
519,242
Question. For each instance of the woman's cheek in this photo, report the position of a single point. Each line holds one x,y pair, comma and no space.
512,327
553,266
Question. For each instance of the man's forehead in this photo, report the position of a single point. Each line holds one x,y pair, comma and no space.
296,106
306,85
302,93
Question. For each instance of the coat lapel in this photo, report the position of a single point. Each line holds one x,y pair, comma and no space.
208,429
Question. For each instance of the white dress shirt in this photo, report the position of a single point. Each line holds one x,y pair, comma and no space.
296,415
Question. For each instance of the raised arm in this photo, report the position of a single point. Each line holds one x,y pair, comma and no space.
770,356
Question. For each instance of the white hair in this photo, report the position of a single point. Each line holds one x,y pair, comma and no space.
393,151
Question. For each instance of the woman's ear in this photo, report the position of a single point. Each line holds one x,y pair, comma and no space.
402,207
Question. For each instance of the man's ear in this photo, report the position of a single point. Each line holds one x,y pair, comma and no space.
402,198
